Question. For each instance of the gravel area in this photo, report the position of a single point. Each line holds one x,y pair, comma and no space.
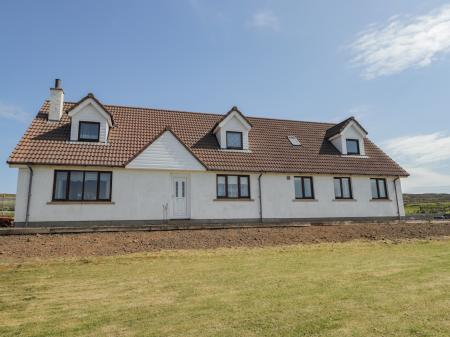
92,244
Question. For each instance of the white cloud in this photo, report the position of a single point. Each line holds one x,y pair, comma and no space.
8,111
420,149
423,180
265,19
402,43
423,156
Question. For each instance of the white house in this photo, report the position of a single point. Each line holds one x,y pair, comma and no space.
87,163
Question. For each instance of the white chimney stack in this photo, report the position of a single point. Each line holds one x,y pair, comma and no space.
56,102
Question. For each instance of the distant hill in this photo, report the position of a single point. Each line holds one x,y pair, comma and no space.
427,203
409,198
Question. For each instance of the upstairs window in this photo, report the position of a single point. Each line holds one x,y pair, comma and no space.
342,188
82,186
353,146
89,131
233,187
303,188
378,187
234,140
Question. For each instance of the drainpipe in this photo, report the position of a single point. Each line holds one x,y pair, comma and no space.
30,183
260,198
396,197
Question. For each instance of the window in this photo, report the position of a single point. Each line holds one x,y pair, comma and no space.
234,140
303,188
353,146
89,131
378,187
342,188
233,187
82,186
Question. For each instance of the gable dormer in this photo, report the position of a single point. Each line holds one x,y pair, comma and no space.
348,137
232,131
90,121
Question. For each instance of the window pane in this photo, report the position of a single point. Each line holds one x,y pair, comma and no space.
352,146
76,185
346,188
234,139
298,187
90,186
182,189
60,185
337,188
382,188
373,187
245,193
104,189
221,191
307,182
89,130
232,186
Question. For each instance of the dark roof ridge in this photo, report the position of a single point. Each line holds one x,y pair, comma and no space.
209,113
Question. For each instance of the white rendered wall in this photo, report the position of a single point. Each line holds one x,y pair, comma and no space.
141,194
89,114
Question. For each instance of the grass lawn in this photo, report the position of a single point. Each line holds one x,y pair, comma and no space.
345,289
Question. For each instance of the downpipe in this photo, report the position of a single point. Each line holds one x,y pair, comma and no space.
260,198
396,197
30,184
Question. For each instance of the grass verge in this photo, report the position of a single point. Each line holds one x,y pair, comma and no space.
345,289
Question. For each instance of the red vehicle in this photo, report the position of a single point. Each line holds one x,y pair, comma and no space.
6,221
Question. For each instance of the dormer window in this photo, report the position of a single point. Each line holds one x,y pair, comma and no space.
353,146
234,140
89,131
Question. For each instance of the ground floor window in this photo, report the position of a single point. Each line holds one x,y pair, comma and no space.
342,188
233,186
378,187
303,188
82,185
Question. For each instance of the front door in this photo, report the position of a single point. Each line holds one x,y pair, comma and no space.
180,197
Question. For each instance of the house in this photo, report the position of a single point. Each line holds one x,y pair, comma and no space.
91,163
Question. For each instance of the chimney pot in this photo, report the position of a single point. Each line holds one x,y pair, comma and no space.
57,83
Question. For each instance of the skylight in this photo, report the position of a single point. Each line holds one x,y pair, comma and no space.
294,140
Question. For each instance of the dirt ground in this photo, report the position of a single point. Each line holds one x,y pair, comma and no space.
91,244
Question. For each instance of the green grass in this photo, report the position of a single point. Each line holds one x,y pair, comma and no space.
346,289
442,207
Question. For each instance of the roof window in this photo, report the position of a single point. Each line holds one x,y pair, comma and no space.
294,140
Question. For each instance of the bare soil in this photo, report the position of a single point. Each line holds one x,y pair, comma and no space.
92,244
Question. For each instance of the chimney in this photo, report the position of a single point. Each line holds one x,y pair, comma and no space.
56,102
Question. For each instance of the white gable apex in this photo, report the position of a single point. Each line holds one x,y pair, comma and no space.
92,106
166,153
233,117
353,127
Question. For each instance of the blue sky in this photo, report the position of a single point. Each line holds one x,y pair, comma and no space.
385,62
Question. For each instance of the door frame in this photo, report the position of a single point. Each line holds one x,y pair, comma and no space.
187,196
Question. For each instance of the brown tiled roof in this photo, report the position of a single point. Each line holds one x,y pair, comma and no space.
135,128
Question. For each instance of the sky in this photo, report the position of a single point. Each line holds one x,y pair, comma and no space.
385,62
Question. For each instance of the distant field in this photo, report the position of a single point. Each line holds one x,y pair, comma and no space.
7,204
427,204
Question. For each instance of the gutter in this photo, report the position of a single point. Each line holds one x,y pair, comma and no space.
30,183
260,198
396,197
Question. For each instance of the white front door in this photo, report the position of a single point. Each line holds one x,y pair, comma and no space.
180,197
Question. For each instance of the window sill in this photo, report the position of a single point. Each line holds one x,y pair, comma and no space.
73,202
345,200
354,156
233,199
378,200
305,200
